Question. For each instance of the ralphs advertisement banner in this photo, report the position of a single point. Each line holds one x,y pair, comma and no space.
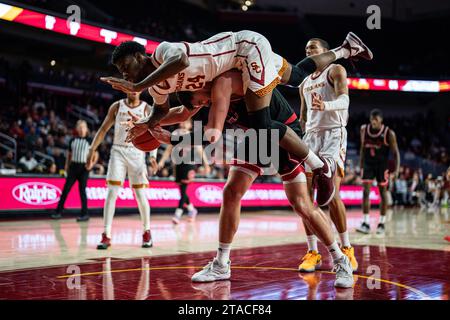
35,193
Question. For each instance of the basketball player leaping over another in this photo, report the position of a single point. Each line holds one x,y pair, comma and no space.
229,87
124,159
324,115
188,66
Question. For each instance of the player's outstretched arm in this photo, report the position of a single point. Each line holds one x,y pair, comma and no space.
174,61
394,149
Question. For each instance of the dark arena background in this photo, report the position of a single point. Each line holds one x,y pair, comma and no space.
52,56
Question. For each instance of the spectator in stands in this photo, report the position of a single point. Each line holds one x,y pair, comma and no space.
16,131
28,163
52,169
7,161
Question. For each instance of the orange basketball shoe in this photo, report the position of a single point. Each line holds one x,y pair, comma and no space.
350,253
311,261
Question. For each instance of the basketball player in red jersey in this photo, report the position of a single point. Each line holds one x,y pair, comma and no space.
229,87
188,66
376,142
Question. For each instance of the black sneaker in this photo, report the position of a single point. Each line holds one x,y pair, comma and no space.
364,228
56,216
380,228
83,218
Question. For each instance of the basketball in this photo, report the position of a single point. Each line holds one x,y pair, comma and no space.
146,142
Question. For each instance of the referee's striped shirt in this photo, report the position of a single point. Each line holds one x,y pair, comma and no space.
80,148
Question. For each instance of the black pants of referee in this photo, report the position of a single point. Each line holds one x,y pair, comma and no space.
76,172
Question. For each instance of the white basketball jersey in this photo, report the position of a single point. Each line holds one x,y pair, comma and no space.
207,59
319,120
122,115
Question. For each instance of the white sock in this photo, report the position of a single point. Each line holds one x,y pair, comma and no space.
190,207
144,207
335,251
341,53
110,208
312,243
223,253
382,219
366,218
313,161
178,213
345,240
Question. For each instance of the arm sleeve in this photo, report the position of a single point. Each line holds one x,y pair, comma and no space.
341,103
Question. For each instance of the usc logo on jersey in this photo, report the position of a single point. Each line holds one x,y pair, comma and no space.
255,67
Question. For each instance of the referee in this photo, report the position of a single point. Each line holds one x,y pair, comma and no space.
77,170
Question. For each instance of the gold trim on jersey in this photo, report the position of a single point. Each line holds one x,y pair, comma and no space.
283,68
269,88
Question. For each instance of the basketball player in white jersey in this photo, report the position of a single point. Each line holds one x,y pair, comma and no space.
124,159
324,116
188,66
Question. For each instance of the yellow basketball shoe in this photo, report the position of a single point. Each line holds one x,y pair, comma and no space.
311,261
350,253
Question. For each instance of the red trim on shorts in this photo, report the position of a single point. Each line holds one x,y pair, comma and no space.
246,165
294,173
291,119
367,181
258,81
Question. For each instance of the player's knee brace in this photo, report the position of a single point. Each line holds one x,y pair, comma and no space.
300,71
